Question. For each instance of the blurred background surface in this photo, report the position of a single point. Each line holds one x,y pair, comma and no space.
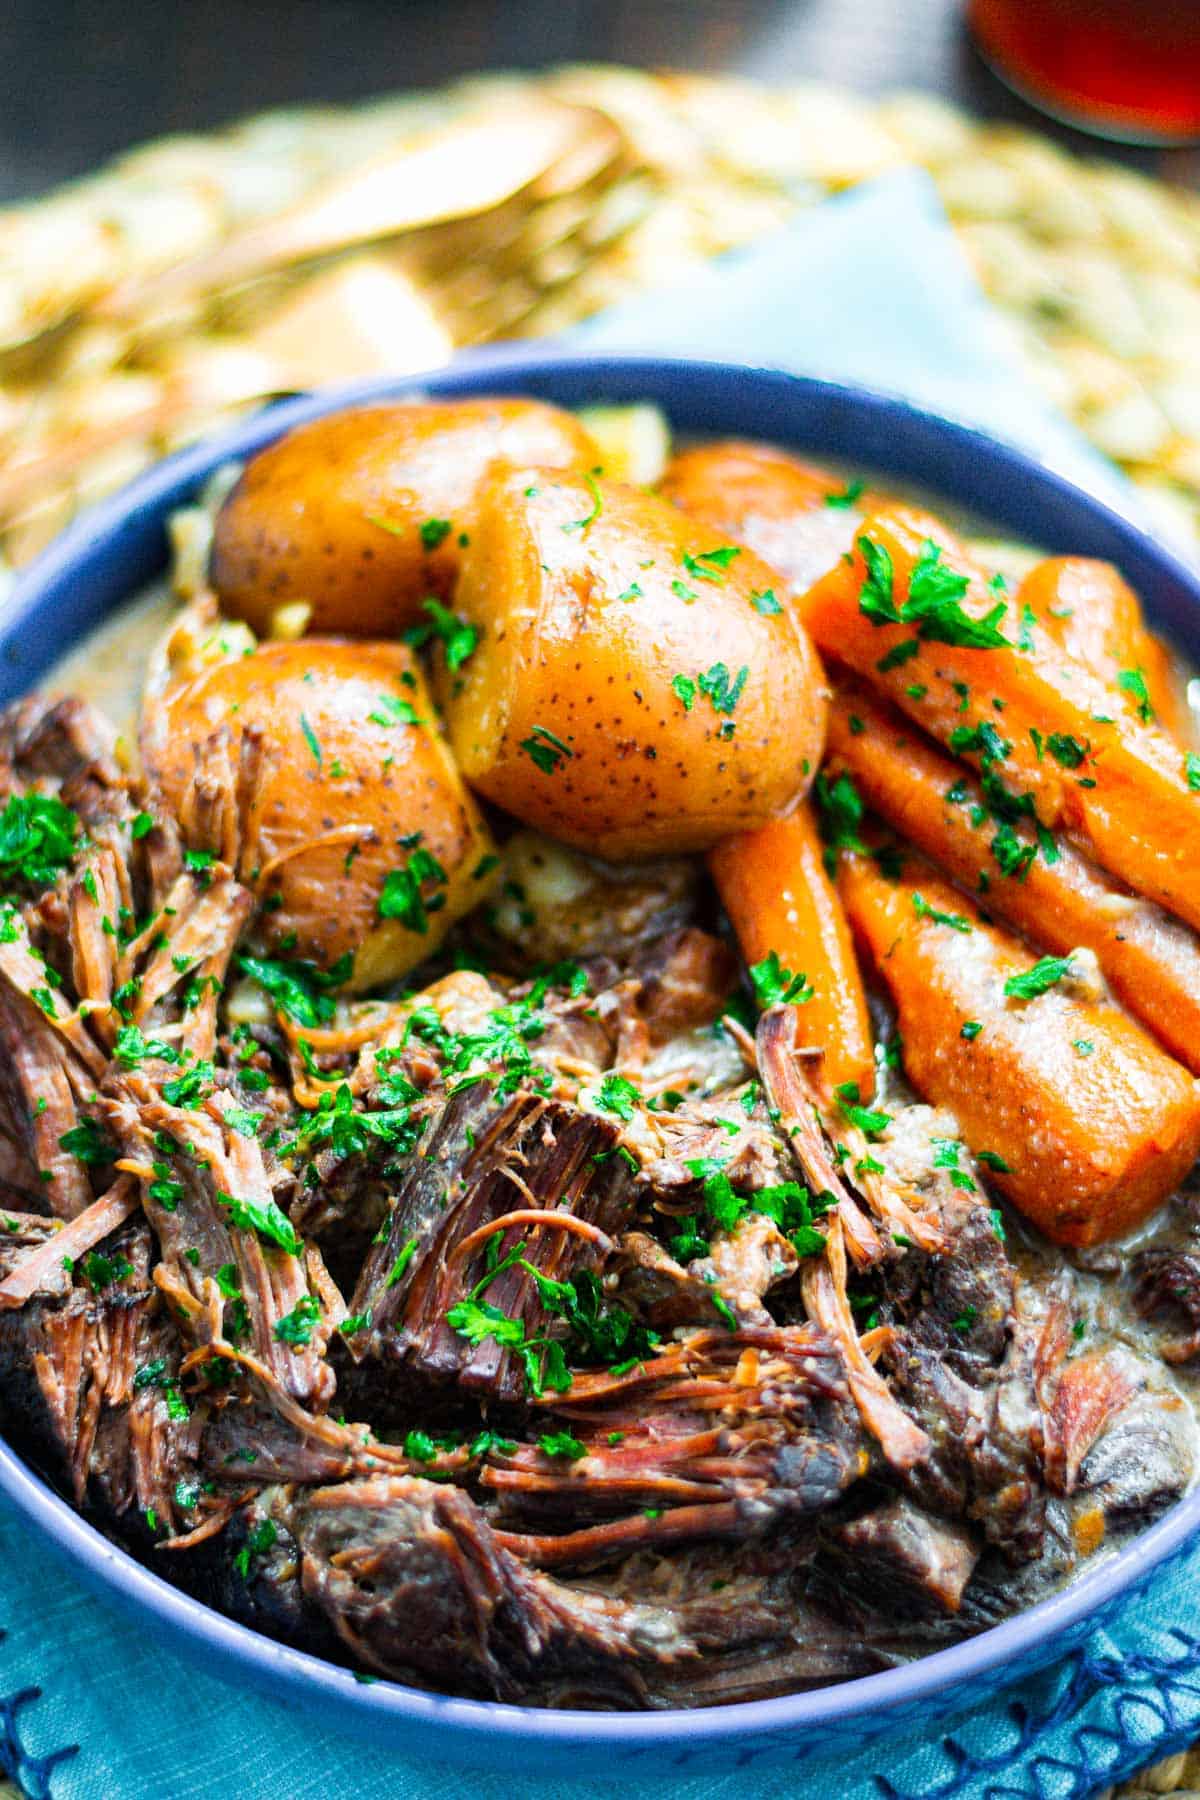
82,79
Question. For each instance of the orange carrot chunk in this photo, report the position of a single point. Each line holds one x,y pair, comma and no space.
780,900
1044,887
1084,1122
1092,614
910,612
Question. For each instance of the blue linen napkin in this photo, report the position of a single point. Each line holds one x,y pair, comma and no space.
870,288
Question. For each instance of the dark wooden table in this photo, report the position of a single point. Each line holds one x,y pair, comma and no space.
81,79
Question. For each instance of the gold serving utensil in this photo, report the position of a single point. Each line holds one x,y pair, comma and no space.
462,170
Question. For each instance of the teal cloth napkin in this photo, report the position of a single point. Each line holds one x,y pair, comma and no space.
868,288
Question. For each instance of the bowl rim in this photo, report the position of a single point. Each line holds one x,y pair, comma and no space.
295,1674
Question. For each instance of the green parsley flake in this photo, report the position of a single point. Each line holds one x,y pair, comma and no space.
618,1096
871,1123
561,1443
597,507
405,893
710,565
38,837
923,910
776,986
458,638
311,739
1133,683
935,593
297,1326
392,710
1046,973
839,815
546,750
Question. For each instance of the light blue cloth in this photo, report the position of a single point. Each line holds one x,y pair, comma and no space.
870,288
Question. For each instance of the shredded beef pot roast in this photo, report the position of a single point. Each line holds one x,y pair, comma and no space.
553,1324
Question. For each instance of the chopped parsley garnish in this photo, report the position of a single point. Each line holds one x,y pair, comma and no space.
297,1326
561,1443
434,532
1133,683
541,1358
850,495
715,684
991,1159
935,594
420,1447
923,910
618,1096
402,897
258,1541
776,986
298,988
765,602
596,509
390,709
311,739
709,565
871,1123
965,1319
839,815
1067,750
266,1218
87,1142
38,838
723,692
458,638
970,1030
396,1272
143,823
132,1047
1045,974
101,1271
1192,770
546,750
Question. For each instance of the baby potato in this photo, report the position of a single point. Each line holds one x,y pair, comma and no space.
798,518
636,689
363,514
355,829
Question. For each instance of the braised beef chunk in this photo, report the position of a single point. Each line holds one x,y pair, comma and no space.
413,1581
667,1376
907,1558
500,1202
720,1435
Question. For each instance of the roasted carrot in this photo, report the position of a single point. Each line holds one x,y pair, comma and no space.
1089,611
1045,888
1085,1122
798,518
773,885
909,611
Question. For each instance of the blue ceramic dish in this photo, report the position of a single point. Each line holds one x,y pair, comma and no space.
111,551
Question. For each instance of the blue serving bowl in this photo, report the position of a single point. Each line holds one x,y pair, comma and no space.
104,557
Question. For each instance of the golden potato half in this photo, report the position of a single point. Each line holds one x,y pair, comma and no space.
361,515
350,801
637,688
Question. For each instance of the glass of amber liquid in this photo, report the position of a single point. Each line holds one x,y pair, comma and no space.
1125,69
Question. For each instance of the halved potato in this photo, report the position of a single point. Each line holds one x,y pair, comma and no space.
346,798
636,689
362,515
